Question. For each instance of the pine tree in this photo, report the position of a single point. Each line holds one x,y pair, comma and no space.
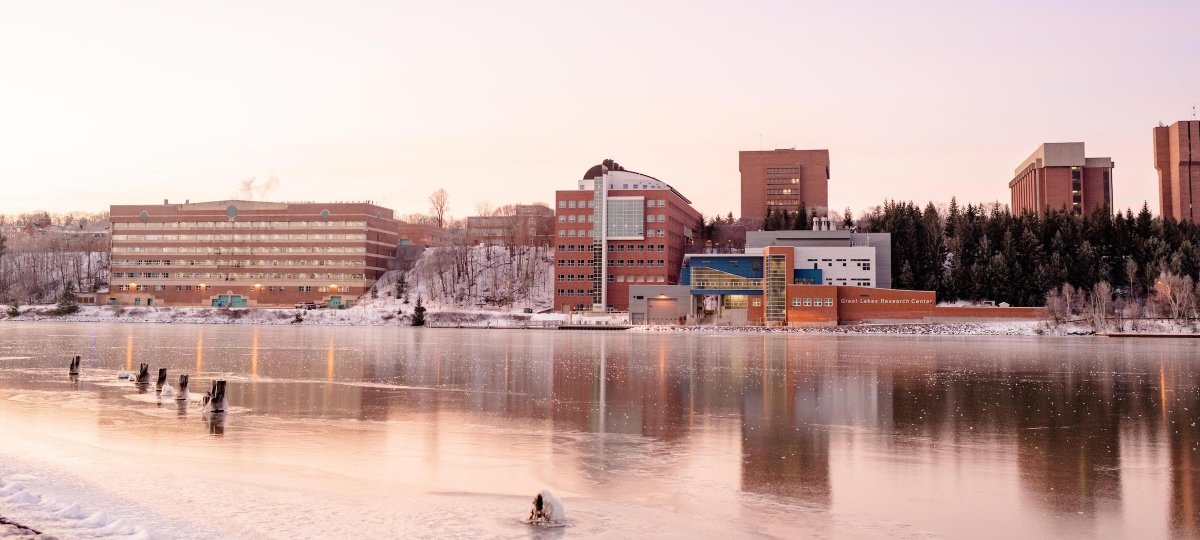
14,309
401,285
68,303
418,316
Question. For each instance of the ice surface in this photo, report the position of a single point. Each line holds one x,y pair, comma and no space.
397,433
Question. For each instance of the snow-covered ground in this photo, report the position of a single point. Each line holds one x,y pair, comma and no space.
1021,328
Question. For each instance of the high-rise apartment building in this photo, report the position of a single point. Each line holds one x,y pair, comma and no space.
783,180
617,228
248,253
1057,176
1176,156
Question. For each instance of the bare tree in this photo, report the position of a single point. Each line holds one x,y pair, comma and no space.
1176,293
439,202
1101,304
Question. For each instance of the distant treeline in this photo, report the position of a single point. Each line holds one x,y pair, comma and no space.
986,253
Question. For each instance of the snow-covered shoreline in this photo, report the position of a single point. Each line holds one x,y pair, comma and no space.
456,318
934,329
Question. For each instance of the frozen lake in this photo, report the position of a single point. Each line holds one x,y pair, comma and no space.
384,432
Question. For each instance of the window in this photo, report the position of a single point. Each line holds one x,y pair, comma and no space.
807,302
756,302
570,204
828,302
796,301
562,204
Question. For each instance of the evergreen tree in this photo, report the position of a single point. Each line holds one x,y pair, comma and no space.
68,303
401,285
418,316
14,309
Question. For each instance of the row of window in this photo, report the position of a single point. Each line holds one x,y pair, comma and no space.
783,191
637,231
239,225
637,279
616,263
236,263
226,276
783,170
775,181
811,302
562,248
591,218
650,203
189,288
227,250
233,237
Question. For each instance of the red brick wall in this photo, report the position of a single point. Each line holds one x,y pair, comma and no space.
1095,189
813,185
862,304
573,255
812,315
956,312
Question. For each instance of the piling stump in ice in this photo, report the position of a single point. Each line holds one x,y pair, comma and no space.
143,375
74,369
547,510
182,395
162,378
214,399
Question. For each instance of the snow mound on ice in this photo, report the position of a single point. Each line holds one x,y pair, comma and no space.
56,518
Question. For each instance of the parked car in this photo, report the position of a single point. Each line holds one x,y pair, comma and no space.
305,305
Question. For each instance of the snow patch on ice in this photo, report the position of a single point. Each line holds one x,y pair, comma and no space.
69,519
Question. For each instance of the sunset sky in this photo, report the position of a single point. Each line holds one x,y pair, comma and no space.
120,103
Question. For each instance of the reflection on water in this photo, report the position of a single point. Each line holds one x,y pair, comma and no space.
960,437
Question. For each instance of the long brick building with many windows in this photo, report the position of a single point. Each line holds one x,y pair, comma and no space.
248,253
616,229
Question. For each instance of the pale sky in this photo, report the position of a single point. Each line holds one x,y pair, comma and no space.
105,102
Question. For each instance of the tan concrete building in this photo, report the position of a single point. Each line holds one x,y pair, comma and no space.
1057,176
783,179
1176,156
248,253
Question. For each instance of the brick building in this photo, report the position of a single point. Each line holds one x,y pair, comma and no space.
1057,176
1177,158
248,253
783,179
419,234
526,225
618,228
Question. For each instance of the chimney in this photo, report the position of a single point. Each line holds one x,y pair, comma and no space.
165,202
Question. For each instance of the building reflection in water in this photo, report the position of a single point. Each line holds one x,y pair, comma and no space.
1059,424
